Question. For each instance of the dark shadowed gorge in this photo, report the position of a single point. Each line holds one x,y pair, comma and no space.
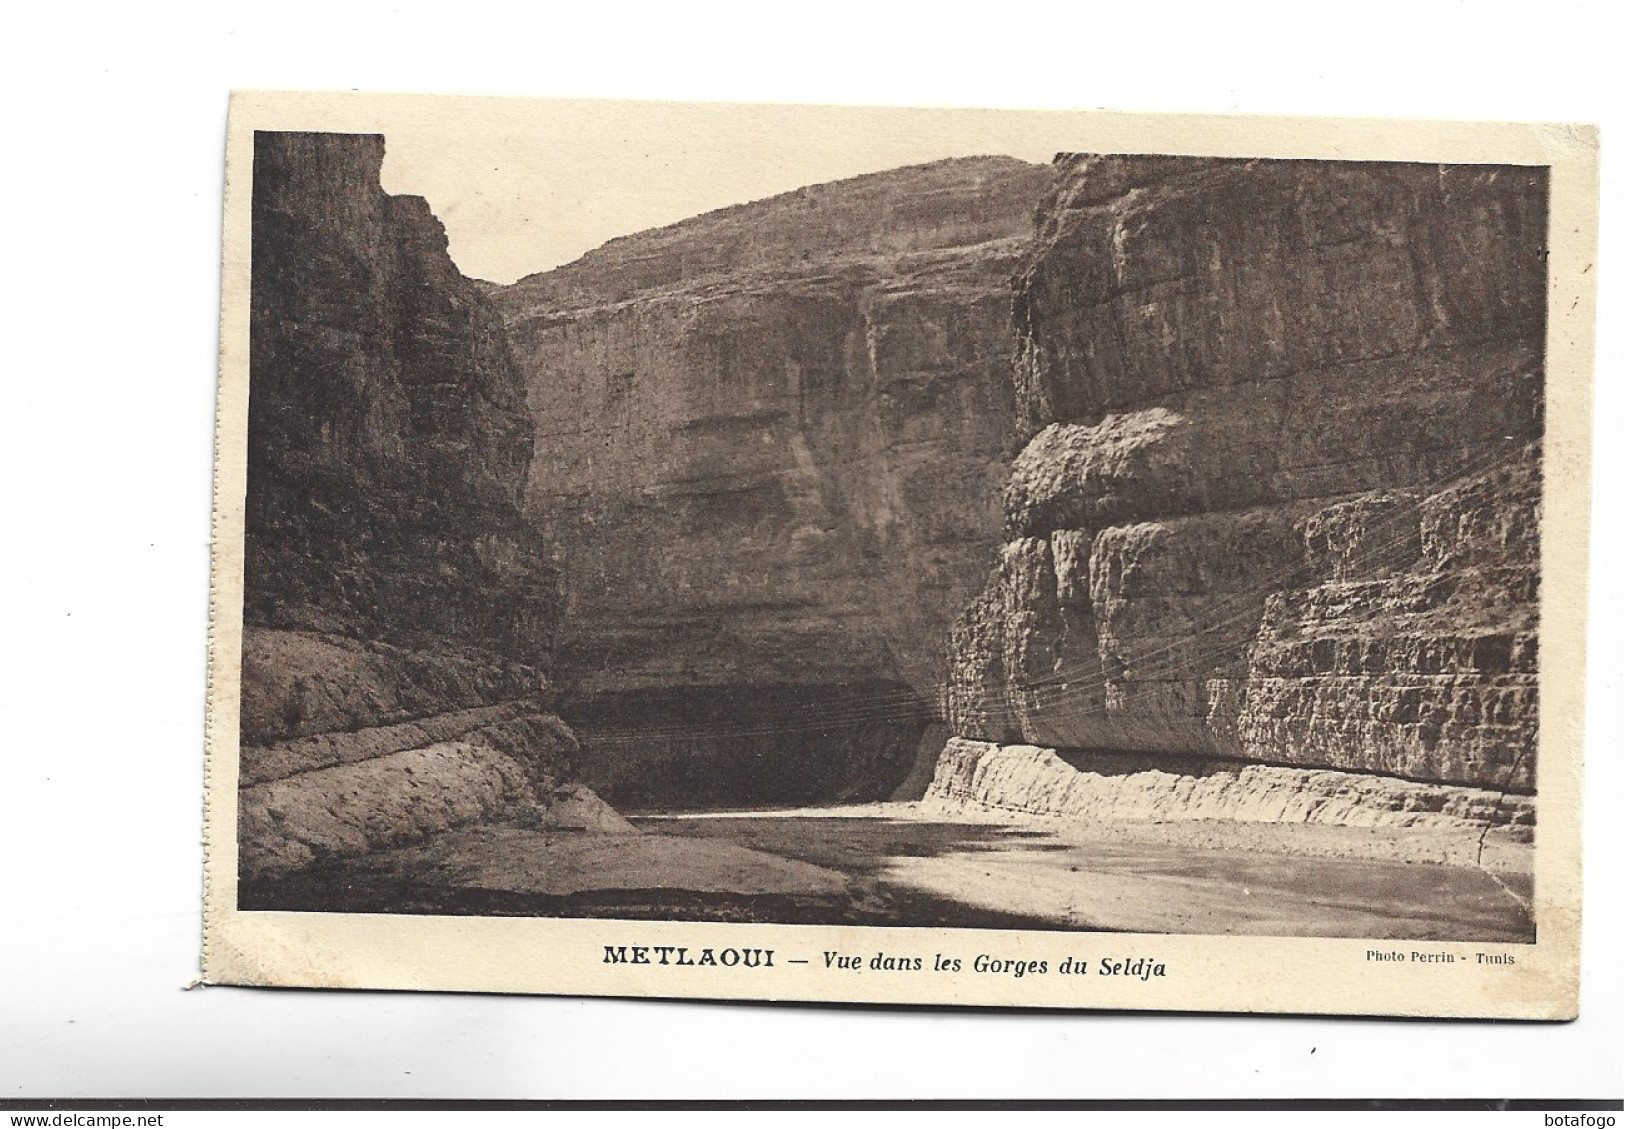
1178,505
773,439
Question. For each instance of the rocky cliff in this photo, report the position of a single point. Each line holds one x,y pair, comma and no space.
770,442
388,433
1214,497
1279,494
397,605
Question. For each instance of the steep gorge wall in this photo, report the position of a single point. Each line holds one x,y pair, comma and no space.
388,432
397,606
1279,499
770,441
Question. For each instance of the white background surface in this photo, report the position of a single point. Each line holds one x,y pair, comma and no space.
110,187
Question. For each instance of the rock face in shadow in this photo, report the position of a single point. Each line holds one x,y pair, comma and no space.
1280,491
751,744
397,606
770,446
388,432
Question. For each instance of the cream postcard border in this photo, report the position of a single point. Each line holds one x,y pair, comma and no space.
1205,973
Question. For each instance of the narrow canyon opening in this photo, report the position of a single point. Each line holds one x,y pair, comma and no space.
788,562
748,746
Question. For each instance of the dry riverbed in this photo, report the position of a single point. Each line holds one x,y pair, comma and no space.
902,864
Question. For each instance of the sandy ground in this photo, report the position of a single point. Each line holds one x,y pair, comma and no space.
1164,878
899,864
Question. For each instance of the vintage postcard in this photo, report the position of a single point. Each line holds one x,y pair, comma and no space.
906,556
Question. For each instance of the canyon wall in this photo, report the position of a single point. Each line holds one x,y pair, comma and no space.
388,431
770,444
1279,494
1227,472
397,605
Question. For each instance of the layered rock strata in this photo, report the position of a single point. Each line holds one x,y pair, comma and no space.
770,443
397,605
388,435
1153,788
352,747
1279,496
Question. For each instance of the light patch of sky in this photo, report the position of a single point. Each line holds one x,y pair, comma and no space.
525,190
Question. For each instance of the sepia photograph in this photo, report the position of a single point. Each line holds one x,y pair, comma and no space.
1020,538
711,557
